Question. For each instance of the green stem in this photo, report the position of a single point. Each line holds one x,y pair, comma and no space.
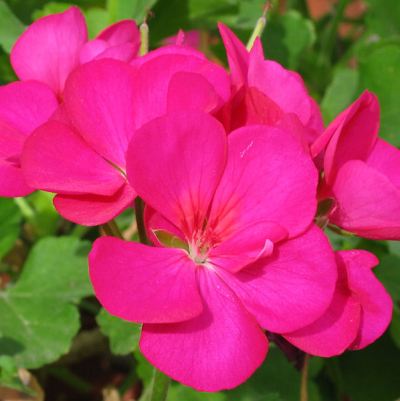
159,387
25,208
111,229
144,39
304,379
331,34
259,28
139,209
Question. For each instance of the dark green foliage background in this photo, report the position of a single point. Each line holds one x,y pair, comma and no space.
45,295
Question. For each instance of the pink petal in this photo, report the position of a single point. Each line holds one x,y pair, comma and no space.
154,77
93,210
26,105
49,49
12,181
154,222
124,52
91,50
367,203
286,88
268,177
56,159
250,244
144,284
201,97
217,350
238,56
351,136
125,31
11,143
376,303
99,99
186,153
337,328
293,287
385,158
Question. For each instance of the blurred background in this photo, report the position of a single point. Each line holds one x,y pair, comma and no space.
56,343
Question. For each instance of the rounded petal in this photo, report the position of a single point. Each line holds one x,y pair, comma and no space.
376,304
49,49
337,328
217,350
186,153
154,77
351,136
367,203
56,159
93,210
144,284
268,177
286,88
121,32
293,287
99,99
385,158
91,50
12,181
26,105
179,98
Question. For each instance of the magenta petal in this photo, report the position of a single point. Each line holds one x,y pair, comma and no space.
367,203
385,158
351,136
154,77
246,246
92,210
186,153
376,304
286,88
124,52
99,99
121,32
201,97
49,49
26,105
12,181
217,350
293,287
238,56
337,328
91,50
268,177
56,159
144,284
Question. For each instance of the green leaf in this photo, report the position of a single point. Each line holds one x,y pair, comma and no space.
395,327
383,18
372,374
50,8
287,37
124,336
10,219
276,380
394,247
9,376
97,19
10,27
38,318
179,392
388,272
134,9
340,93
380,73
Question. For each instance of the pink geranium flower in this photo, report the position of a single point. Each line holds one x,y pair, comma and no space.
235,252
360,312
267,93
82,158
23,107
361,172
53,46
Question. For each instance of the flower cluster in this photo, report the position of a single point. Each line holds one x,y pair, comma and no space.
234,169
